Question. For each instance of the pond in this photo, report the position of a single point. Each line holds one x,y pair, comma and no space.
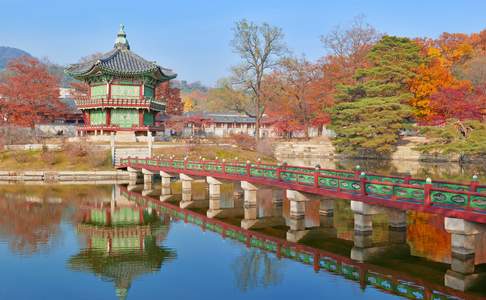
103,242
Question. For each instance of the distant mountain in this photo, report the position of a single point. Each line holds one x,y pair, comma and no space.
8,53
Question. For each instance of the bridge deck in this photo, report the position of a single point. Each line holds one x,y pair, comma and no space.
449,199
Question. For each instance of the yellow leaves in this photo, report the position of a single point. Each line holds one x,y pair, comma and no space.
434,52
435,75
188,104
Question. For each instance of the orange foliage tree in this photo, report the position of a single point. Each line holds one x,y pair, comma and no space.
299,103
431,77
29,94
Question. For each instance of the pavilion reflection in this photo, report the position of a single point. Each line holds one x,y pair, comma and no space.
122,242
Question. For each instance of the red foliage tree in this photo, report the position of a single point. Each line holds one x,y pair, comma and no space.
460,103
29,94
172,97
80,89
298,102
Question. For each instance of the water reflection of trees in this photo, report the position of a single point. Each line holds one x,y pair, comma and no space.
31,215
29,227
254,268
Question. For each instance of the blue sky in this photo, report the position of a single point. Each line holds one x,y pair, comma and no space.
192,37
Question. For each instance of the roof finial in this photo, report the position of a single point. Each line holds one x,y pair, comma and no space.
121,41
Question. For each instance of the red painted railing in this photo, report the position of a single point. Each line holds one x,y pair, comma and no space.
467,204
85,102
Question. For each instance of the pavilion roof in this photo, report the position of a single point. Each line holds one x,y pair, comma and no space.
120,61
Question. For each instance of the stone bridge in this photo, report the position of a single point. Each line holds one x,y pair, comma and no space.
462,205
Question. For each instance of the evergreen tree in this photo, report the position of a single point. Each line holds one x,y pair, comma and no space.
370,114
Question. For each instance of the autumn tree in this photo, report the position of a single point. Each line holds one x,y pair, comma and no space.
29,94
371,113
260,47
226,97
172,97
432,75
462,103
299,101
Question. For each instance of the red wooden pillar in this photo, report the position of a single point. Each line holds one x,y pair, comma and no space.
427,189
108,116
248,168
88,118
316,176
140,211
108,97
108,216
223,166
140,117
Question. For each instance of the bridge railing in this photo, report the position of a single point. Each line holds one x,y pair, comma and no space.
442,195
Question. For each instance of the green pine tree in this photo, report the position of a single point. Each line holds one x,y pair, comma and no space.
370,114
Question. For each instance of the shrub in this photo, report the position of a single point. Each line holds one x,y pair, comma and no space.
21,157
49,157
98,158
265,147
243,141
79,149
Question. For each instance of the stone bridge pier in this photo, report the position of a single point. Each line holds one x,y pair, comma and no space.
364,247
192,197
165,179
223,205
465,241
148,183
296,222
135,179
250,208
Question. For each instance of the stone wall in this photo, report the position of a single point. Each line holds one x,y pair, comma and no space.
65,176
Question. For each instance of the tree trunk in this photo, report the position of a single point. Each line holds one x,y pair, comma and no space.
257,119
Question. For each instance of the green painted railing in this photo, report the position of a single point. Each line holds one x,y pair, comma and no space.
470,197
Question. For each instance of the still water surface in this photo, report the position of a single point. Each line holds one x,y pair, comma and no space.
58,242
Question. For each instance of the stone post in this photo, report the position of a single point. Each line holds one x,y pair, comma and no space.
363,229
397,226
133,175
296,221
148,178
165,183
464,235
326,207
186,190
249,205
214,197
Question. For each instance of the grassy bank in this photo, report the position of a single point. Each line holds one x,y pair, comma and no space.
65,160
78,157
211,152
